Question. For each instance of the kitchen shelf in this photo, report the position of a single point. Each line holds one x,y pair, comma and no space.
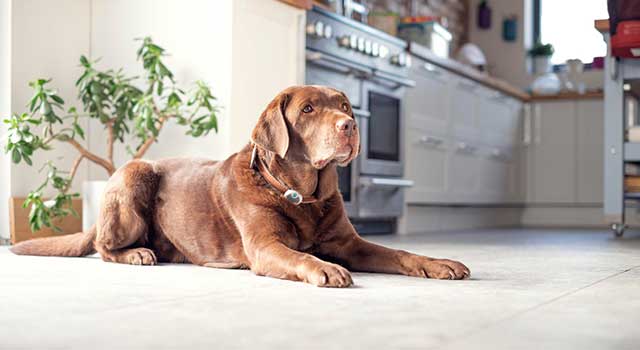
632,152
632,195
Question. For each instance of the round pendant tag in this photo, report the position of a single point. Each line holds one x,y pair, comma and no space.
293,197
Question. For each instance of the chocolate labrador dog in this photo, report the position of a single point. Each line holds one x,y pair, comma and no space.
274,207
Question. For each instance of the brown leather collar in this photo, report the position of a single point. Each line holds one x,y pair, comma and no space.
291,195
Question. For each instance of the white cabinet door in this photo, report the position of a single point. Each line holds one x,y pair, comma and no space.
551,164
590,145
462,108
427,102
426,166
464,165
497,175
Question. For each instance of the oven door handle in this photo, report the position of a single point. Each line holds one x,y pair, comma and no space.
384,182
335,63
399,81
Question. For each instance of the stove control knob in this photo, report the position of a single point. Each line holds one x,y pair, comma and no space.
353,41
384,51
367,47
395,59
344,41
399,59
319,31
361,44
328,32
316,29
375,49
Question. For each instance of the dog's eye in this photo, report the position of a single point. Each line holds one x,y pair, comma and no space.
345,107
307,109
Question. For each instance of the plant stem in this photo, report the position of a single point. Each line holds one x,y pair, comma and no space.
110,140
108,166
74,170
145,146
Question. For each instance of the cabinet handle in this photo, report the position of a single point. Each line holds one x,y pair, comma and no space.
537,124
526,127
497,153
467,86
432,69
431,141
464,147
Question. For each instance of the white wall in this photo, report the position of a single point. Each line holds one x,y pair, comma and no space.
47,39
5,109
507,60
268,52
196,34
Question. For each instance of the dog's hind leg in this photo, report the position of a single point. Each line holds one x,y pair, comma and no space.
123,223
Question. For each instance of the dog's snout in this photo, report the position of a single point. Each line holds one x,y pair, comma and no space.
346,126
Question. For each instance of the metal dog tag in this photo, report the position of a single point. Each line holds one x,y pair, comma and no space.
293,197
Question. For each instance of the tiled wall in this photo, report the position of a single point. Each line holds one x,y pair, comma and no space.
455,12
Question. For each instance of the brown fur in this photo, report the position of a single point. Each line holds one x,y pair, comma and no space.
225,215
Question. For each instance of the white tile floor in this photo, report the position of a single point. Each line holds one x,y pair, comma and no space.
531,289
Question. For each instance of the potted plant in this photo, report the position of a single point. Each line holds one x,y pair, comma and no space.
126,106
541,55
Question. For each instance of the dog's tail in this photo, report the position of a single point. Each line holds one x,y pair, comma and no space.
77,244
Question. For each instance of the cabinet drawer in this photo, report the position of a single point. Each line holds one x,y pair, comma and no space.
427,102
463,166
498,120
426,166
462,109
497,175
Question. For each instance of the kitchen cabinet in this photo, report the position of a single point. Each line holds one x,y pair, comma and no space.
564,157
426,135
427,106
590,157
550,164
462,140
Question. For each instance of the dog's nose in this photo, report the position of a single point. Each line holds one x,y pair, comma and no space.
346,126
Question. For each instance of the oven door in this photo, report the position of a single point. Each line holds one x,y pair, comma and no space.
348,186
381,132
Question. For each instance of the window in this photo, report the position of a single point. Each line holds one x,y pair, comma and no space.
568,26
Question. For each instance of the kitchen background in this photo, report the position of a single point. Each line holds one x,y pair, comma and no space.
462,126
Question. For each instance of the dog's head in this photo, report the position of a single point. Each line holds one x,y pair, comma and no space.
312,123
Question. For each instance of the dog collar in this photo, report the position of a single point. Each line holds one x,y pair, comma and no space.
292,196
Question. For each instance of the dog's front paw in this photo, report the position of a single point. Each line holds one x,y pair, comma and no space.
141,256
325,274
420,266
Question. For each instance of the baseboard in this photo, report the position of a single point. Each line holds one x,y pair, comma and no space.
421,219
591,217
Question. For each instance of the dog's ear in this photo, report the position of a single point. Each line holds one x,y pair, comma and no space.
271,131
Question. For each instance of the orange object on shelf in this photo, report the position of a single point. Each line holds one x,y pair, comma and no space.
626,41
632,183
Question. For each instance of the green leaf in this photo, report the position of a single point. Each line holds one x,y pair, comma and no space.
15,156
78,130
57,99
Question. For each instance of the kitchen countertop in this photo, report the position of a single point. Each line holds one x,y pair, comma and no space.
493,82
301,4
602,25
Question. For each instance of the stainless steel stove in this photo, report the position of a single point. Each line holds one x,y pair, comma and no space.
371,67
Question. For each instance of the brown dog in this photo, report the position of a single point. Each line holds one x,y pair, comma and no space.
233,214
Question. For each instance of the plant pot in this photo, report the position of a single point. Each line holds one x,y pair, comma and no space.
542,64
19,222
91,198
